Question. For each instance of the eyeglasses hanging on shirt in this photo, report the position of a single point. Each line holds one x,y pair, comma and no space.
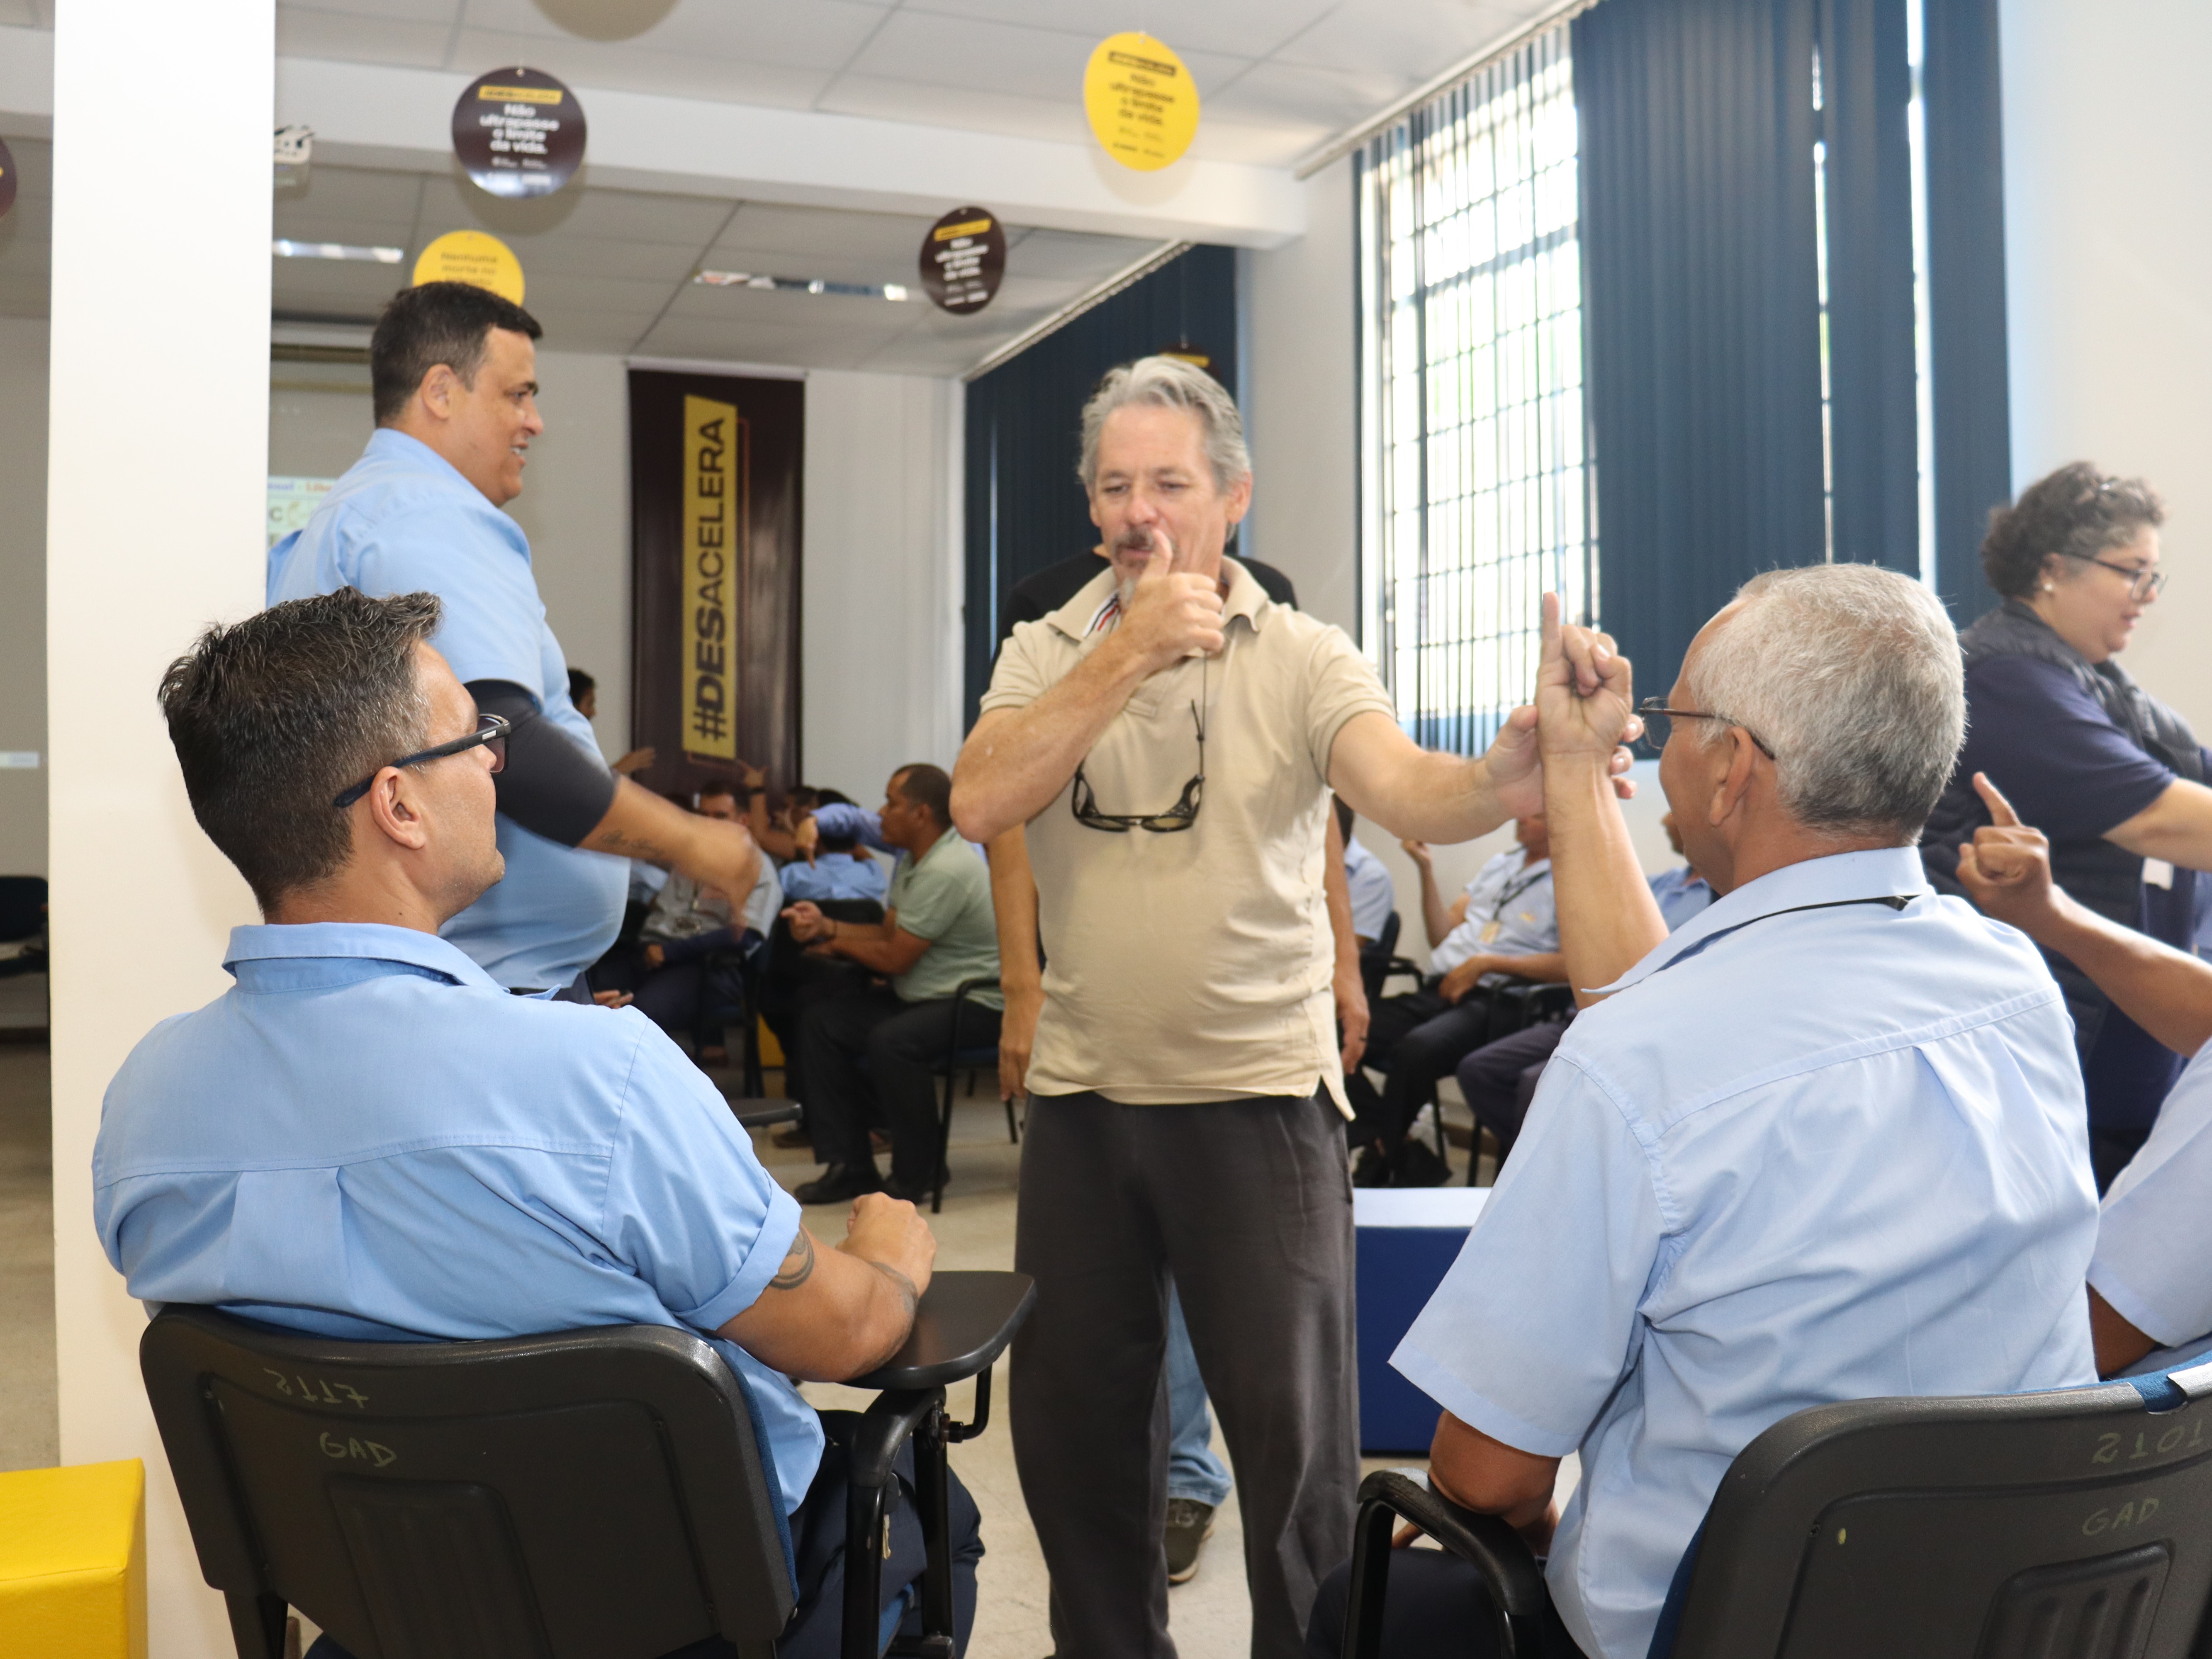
1180,817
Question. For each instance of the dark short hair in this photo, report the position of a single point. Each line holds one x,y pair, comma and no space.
447,323
815,798
920,784
713,787
2076,510
580,684
274,717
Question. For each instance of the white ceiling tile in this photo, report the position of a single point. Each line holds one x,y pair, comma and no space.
1036,62
441,12
814,34
351,193
559,292
1243,29
452,203
664,262
624,67
893,238
1073,255
1012,115
1415,40
352,38
1315,102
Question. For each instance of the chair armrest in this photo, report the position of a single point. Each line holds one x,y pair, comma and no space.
1498,1553
761,1114
963,1324
967,987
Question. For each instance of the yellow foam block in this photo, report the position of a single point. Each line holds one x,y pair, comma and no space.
73,1562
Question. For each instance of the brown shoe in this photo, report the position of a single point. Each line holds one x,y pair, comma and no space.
792,1135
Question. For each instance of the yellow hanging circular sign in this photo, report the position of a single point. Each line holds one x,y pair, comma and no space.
1142,106
470,256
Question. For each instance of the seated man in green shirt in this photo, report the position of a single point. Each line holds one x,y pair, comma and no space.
868,1054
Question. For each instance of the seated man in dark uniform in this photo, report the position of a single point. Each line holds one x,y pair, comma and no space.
368,1138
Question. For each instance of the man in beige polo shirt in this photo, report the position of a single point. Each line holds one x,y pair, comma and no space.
1169,737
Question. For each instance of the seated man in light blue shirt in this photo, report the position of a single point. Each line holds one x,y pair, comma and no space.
455,383
368,1138
1503,927
1720,1211
1499,1080
1373,894
2150,1282
837,868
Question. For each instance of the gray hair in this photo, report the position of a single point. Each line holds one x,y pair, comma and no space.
1170,383
1852,675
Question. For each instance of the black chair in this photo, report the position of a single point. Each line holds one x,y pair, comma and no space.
1380,962
23,922
729,995
2075,1524
594,1492
956,1059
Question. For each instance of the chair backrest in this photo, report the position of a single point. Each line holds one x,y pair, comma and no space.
596,1492
2075,1524
22,907
1375,958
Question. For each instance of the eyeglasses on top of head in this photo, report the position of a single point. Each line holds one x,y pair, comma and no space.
1180,817
490,734
1655,714
2143,584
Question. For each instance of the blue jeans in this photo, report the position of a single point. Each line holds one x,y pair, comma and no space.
1193,1471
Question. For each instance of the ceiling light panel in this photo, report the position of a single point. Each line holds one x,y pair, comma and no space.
284,248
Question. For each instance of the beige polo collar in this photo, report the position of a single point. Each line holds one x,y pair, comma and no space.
1075,619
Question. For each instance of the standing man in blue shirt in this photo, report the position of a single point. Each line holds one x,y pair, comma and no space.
367,1138
1719,1211
455,377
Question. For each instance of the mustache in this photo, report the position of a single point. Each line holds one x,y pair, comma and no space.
1134,541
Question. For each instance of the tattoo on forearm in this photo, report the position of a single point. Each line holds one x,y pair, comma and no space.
798,1265
636,846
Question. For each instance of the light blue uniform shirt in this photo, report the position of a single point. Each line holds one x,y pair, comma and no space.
1792,1159
1373,894
367,1137
2153,1261
1681,893
1509,910
402,521
836,876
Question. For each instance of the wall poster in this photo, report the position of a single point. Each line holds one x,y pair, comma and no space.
714,543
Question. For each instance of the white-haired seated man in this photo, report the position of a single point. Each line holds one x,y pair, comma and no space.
1721,1209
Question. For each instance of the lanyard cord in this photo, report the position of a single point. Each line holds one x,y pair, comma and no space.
1498,910
1893,901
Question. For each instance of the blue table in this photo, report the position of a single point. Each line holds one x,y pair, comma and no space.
1407,1238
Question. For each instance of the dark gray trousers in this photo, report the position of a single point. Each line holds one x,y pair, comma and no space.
1247,1204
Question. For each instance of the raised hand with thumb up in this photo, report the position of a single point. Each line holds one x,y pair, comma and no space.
1172,614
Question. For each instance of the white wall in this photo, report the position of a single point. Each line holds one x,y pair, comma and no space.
2108,242
880,607
1302,401
574,505
154,527
23,591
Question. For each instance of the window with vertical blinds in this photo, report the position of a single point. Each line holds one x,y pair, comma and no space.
1478,488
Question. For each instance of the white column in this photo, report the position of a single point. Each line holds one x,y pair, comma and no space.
2108,237
155,506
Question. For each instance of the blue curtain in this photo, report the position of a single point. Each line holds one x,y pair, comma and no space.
1699,229
1967,292
1701,308
1025,509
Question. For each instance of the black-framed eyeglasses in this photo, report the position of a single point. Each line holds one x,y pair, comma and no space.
490,734
1656,714
2142,584
1181,816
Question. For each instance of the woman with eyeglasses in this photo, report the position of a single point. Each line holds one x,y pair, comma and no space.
2109,774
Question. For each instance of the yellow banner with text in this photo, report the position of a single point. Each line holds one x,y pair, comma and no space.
714,515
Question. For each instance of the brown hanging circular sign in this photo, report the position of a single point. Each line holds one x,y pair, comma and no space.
519,132
963,258
7,179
